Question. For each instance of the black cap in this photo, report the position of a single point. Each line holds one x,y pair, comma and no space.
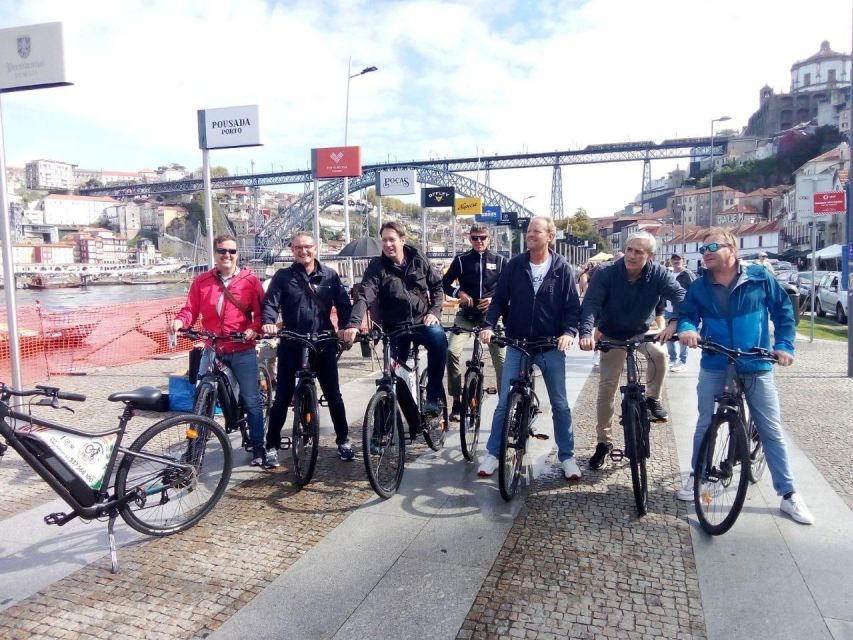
675,256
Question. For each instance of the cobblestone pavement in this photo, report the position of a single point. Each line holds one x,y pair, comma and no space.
578,562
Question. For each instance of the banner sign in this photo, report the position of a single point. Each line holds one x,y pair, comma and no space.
32,57
469,206
395,182
829,203
229,127
437,196
491,214
505,219
336,162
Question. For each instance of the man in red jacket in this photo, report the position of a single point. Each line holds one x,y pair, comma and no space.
229,299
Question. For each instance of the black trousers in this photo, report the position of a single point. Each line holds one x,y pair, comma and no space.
325,365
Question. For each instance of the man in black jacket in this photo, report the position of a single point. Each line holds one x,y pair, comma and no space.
303,294
685,278
408,290
472,278
537,297
622,298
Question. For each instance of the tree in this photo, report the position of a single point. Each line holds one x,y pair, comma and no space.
581,226
93,183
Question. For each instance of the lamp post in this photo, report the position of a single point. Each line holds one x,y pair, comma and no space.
520,231
350,76
711,182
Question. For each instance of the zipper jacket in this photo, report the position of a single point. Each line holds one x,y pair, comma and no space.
300,312
755,299
550,312
203,298
477,275
405,294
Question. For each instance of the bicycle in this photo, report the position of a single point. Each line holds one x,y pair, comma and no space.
635,420
731,454
218,386
472,395
172,475
522,410
383,438
305,443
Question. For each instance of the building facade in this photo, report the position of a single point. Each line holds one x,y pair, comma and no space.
50,175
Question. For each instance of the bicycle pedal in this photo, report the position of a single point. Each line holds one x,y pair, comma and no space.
58,519
323,402
491,391
540,436
617,455
286,443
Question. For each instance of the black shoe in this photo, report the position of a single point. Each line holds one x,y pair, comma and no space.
432,408
456,409
656,410
602,450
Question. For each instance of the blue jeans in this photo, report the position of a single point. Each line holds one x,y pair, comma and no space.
435,342
244,366
670,346
552,363
763,401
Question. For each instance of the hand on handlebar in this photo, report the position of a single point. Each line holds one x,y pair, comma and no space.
486,336
689,339
783,358
430,320
667,333
348,335
586,343
270,329
565,341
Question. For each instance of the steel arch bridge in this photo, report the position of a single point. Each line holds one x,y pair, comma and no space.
275,234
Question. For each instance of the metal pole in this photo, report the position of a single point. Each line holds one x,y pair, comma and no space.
317,214
208,204
814,261
849,240
711,182
378,218
346,179
424,240
9,270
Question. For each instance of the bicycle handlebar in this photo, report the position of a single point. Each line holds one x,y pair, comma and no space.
311,340
194,334
607,345
475,331
524,344
377,333
733,354
42,390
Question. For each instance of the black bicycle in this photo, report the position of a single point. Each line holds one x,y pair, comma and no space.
472,395
522,409
305,439
636,422
731,454
399,389
168,479
217,385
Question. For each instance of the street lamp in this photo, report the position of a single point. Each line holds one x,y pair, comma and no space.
711,182
520,230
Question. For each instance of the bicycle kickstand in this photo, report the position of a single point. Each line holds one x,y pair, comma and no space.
112,539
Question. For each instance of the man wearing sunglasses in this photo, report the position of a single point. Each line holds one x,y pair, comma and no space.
229,299
734,302
623,299
472,278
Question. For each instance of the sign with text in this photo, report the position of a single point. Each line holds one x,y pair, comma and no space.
505,218
229,127
32,57
469,206
829,203
336,162
395,182
491,214
437,196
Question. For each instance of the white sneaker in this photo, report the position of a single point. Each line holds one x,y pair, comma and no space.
596,360
678,366
685,493
796,507
487,466
571,469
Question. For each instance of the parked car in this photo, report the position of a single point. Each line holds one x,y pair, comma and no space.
831,297
803,281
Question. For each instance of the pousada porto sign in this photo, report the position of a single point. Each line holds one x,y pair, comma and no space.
229,127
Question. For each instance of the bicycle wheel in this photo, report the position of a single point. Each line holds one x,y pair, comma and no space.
635,449
469,427
266,390
512,445
204,402
306,433
434,427
757,457
174,490
721,475
383,445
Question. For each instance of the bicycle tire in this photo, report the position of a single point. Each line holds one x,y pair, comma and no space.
434,428
186,495
383,446
204,402
469,420
512,445
757,455
305,444
265,388
635,449
721,476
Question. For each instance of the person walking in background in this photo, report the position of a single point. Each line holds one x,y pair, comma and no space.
764,262
685,278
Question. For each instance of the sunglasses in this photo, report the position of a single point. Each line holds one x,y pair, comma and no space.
223,252
481,238
713,247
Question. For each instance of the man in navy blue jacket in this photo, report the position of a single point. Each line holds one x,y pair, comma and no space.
537,298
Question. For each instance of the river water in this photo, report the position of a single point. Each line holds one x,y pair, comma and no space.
98,295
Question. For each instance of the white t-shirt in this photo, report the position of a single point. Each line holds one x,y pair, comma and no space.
539,271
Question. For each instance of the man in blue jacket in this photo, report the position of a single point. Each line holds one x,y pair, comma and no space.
733,302
304,294
537,297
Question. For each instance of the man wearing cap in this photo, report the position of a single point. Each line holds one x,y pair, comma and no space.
684,277
764,262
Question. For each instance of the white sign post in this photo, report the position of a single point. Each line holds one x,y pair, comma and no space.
31,58
225,128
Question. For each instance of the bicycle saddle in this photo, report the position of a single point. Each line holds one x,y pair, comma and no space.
143,397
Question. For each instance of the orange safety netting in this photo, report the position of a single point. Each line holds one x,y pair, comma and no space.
67,342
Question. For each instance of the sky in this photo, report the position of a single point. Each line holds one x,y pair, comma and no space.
454,79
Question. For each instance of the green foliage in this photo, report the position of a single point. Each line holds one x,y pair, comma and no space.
581,225
393,205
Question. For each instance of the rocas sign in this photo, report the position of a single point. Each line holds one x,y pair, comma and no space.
32,57
336,162
829,203
395,182
469,206
229,127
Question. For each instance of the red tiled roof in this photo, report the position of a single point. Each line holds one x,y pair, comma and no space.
742,208
56,196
